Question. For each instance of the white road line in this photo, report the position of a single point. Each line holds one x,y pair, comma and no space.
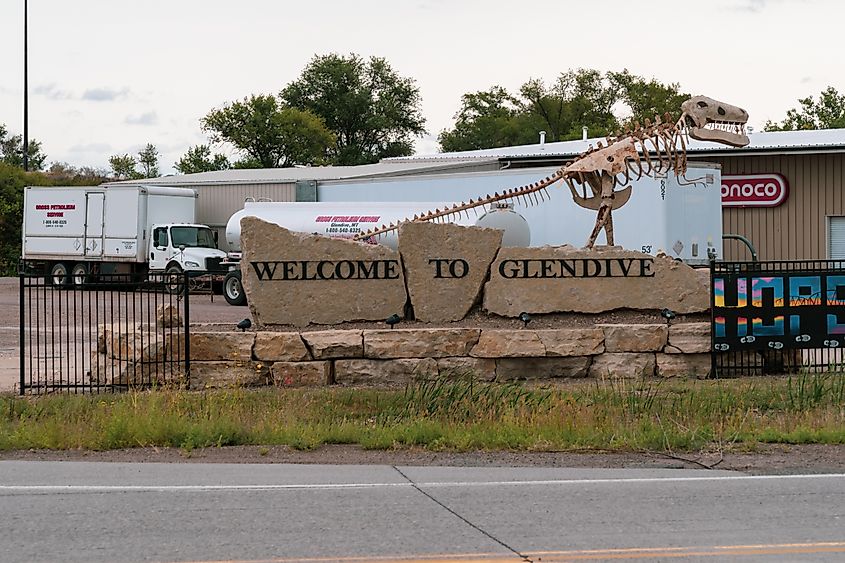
441,484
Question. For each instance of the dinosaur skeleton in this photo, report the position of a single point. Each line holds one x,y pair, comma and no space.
653,149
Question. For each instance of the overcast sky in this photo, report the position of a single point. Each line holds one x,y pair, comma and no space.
108,76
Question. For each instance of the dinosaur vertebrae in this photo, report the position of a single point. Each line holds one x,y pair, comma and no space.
528,195
642,151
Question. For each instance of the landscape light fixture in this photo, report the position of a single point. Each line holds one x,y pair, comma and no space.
668,314
244,324
392,320
525,318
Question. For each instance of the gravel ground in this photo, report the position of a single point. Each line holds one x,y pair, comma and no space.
766,459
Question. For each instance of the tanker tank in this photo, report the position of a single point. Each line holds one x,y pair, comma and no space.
346,220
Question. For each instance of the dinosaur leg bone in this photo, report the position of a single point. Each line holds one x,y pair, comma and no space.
604,219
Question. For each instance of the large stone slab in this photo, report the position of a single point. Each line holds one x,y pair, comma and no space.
300,279
109,335
541,368
167,316
504,343
566,279
689,338
684,365
483,369
446,266
333,344
106,370
635,337
280,347
622,365
419,343
383,372
572,341
229,374
297,374
221,346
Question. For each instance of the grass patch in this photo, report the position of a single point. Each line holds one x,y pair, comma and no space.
444,414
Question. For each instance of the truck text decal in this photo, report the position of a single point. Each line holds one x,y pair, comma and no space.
55,210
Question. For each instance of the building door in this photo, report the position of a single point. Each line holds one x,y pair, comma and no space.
836,238
94,223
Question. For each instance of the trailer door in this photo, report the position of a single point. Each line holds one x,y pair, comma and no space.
94,207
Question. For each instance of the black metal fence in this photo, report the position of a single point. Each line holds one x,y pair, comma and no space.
777,317
118,332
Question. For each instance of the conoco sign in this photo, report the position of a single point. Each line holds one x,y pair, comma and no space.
754,190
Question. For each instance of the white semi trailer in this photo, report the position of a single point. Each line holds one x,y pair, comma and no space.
679,216
74,234
345,220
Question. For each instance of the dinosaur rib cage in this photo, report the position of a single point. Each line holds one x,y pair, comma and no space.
660,148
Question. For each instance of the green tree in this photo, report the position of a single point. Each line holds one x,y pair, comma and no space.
11,150
578,98
148,159
64,174
374,112
12,182
269,134
490,118
200,159
828,112
647,98
123,167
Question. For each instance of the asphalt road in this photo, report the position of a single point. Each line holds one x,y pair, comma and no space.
76,511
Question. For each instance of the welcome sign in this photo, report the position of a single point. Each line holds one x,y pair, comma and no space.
442,271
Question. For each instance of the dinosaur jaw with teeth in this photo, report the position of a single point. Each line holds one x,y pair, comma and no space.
707,119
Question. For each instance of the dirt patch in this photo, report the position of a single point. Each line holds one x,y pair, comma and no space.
765,459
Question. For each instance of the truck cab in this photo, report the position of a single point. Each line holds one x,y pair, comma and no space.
184,247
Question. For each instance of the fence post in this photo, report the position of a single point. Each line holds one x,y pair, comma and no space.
713,373
186,289
21,312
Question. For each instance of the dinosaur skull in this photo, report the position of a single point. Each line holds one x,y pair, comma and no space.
707,119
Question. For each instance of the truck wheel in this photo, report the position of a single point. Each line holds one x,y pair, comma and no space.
173,279
58,275
233,291
79,275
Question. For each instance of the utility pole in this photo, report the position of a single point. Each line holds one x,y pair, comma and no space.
25,93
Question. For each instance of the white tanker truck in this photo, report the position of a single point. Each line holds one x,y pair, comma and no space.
347,219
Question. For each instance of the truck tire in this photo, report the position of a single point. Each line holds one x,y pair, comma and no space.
58,275
233,291
173,279
80,275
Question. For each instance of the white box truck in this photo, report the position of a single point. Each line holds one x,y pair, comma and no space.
74,234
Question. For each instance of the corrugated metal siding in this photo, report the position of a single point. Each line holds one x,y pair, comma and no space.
218,202
797,229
